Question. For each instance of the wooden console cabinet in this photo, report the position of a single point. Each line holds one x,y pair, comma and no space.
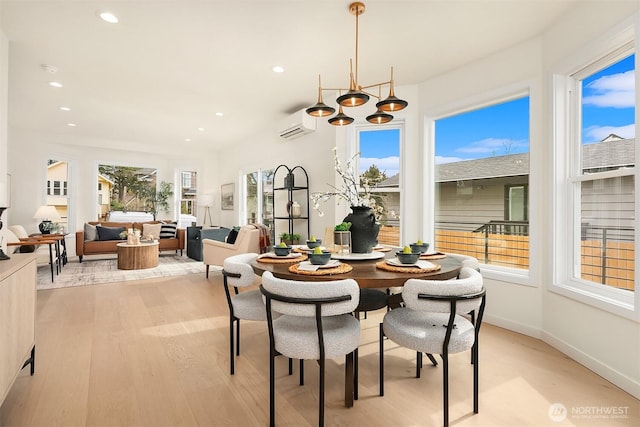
17,318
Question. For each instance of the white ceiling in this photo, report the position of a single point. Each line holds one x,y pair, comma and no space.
169,66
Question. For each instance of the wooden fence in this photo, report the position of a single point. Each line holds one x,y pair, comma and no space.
613,266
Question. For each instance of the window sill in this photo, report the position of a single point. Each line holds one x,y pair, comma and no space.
623,307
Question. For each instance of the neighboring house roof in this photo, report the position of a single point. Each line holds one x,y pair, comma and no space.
104,178
611,152
510,165
393,181
604,155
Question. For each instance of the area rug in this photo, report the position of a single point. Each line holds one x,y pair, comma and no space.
97,271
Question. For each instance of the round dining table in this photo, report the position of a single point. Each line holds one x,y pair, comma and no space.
365,272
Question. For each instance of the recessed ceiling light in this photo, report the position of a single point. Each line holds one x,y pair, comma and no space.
65,108
71,124
219,114
55,84
188,140
201,129
278,69
109,17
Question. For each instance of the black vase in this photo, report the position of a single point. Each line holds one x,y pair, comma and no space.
364,229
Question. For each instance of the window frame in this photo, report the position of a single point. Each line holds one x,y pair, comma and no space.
524,88
566,123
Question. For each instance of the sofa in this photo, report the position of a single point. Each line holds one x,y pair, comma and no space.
94,240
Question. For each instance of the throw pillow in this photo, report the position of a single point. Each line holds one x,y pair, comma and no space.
168,231
153,230
233,235
109,233
27,249
90,232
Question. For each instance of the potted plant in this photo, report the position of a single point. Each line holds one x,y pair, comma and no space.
290,239
342,237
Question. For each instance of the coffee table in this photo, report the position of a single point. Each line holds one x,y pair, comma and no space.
137,257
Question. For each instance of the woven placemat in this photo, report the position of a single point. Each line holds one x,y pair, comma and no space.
342,268
382,249
382,265
437,255
269,260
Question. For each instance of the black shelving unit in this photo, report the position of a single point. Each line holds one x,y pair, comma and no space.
289,185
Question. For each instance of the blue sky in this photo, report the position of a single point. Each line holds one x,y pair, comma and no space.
608,107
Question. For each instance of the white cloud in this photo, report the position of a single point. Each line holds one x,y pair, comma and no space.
615,90
494,146
598,133
388,165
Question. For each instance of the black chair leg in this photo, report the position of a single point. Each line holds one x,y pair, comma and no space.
272,388
355,374
301,371
290,366
474,351
445,388
238,337
433,360
418,363
321,394
206,274
381,355
231,346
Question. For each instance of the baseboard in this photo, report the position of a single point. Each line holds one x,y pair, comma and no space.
607,372
513,326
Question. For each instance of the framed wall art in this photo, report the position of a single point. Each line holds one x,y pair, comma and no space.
226,194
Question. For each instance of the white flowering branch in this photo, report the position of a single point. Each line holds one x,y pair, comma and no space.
350,191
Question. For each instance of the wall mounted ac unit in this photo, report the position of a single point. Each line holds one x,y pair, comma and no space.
296,125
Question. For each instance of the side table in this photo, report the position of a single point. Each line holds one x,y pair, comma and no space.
138,257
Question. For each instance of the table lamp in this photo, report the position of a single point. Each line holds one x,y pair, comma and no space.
46,213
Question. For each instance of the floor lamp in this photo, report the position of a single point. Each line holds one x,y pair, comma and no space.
207,202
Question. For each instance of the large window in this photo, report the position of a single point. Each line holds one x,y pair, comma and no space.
600,199
481,183
57,192
595,197
258,204
379,167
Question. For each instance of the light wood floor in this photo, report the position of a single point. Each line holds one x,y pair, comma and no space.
155,353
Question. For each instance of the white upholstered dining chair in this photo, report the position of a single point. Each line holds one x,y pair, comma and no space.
435,321
315,322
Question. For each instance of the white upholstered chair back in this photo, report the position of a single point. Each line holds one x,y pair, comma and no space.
240,264
469,281
311,290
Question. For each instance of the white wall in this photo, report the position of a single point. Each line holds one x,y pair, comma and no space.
267,150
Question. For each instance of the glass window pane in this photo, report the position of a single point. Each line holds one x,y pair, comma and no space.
252,197
606,253
607,234
481,180
57,172
379,168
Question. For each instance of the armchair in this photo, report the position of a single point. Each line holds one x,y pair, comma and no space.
215,252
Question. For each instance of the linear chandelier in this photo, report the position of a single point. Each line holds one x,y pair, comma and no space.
356,95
